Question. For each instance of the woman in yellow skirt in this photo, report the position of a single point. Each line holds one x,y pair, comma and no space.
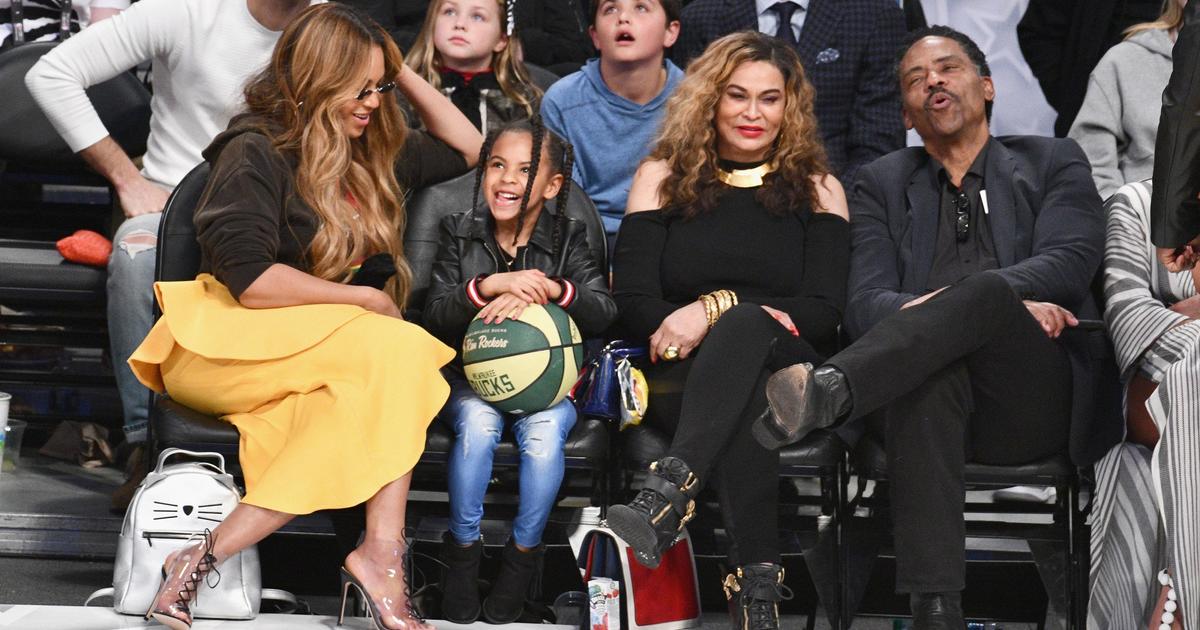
294,332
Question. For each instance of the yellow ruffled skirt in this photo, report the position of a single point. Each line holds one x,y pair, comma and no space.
332,401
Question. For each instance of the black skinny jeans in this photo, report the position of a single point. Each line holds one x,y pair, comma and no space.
967,376
708,403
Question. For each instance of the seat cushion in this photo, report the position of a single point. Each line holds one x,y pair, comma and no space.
870,459
175,425
33,271
181,427
642,444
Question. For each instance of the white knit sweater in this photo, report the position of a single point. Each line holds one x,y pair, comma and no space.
203,52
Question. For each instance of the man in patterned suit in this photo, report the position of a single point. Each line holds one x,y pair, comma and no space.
848,48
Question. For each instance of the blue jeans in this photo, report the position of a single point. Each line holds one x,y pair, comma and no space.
131,312
540,438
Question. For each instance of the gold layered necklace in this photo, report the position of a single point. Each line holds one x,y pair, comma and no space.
745,178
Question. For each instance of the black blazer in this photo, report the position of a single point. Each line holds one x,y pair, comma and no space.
1047,226
848,48
1174,208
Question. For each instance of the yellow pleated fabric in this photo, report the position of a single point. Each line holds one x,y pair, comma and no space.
332,401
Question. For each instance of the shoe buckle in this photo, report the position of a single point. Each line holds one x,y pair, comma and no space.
688,516
657,518
690,482
731,585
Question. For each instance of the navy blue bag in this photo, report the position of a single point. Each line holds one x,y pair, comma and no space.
598,393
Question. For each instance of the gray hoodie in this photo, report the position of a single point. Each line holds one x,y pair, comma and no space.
1119,118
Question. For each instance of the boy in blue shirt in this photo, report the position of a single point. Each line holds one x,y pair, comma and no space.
610,109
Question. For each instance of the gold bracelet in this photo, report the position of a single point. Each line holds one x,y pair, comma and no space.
730,297
710,309
724,300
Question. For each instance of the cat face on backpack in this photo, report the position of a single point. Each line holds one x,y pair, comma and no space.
165,512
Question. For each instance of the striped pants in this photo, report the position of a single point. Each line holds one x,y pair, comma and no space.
1148,503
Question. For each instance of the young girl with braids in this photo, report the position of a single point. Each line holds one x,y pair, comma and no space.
466,48
494,261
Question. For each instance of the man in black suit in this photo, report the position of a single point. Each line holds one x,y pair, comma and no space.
848,50
972,259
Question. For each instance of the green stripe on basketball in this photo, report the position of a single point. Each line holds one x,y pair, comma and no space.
526,365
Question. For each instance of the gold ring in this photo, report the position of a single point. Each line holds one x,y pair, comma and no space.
671,353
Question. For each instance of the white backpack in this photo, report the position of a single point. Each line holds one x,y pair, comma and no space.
173,507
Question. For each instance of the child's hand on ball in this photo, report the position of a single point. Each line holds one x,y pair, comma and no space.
530,285
508,305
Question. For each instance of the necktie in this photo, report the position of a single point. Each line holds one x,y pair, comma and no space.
785,10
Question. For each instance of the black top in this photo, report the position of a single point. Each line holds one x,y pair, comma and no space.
964,236
250,215
796,263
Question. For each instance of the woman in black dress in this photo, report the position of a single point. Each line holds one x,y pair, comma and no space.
732,263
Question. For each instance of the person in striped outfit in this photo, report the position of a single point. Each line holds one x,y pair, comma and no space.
1146,500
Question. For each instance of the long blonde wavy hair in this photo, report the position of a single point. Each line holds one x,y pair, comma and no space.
1170,20
687,141
317,65
510,72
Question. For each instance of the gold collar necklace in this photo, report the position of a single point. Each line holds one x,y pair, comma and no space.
745,178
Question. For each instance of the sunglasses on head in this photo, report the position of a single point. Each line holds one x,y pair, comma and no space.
962,216
381,89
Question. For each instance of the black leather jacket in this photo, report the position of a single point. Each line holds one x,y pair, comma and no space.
467,252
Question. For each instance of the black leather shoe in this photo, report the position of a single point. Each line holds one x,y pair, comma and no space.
651,523
799,401
754,592
937,611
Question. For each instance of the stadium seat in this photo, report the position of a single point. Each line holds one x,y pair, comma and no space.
50,303
32,273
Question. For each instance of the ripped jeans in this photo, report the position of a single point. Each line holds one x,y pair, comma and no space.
131,313
478,427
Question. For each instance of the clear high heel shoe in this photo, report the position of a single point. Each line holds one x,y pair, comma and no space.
385,612
182,574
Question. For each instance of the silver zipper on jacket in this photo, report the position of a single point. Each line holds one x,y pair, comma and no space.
495,257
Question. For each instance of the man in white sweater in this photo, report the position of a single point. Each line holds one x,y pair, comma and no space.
203,52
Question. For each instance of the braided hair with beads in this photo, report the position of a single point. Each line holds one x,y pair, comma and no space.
561,158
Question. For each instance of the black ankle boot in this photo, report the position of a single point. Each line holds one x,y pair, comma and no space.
754,592
519,578
937,611
652,521
460,580
799,400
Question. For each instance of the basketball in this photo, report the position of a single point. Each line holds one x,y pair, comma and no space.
524,365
